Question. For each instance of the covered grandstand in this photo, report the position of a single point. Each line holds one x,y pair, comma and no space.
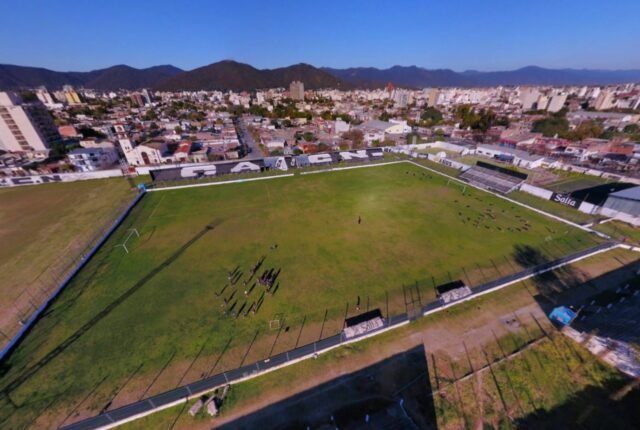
495,178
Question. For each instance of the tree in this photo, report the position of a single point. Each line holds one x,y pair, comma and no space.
258,110
485,120
466,115
28,96
384,116
631,129
551,126
431,116
585,130
91,132
388,142
308,136
150,115
326,115
355,136
609,133
197,116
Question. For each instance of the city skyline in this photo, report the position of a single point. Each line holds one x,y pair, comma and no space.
487,37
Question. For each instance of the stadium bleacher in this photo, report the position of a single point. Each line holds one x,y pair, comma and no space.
493,178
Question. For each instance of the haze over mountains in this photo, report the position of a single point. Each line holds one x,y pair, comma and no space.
231,75
115,77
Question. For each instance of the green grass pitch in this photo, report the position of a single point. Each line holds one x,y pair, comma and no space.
132,325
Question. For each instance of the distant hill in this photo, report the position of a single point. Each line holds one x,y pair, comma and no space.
231,75
533,75
418,77
112,78
410,76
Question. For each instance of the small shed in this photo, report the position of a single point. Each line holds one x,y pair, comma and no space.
452,291
363,323
562,315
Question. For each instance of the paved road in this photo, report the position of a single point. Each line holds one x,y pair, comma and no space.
247,140
194,389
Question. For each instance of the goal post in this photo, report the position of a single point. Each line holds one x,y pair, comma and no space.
276,322
461,185
132,232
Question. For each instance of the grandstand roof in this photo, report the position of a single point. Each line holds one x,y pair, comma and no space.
524,155
629,194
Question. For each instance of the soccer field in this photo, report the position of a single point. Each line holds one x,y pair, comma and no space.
138,323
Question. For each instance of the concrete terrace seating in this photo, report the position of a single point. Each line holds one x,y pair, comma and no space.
491,179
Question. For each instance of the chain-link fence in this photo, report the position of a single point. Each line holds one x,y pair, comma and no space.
192,390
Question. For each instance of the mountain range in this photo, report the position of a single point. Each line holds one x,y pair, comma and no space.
231,75
111,78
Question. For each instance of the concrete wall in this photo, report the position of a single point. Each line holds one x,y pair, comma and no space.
588,208
16,181
634,220
144,170
536,191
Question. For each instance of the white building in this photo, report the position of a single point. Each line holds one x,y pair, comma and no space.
557,102
296,90
25,127
275,143
604,101
543,102
518,158
340,126
91,159
143,154
529,98
392,127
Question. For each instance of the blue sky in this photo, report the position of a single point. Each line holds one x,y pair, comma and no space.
457,34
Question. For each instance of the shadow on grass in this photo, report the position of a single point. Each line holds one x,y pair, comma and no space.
376,391
613,405
32,370
546,286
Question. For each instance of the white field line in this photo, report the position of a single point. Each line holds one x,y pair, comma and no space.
591,224
234,181
629,247
523,278
335,169
347,342
547,214
288,175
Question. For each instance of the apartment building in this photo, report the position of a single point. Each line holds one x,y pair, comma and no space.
25,127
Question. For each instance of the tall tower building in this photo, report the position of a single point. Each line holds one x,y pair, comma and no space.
604,100
71,96
25,127
432,98
296,90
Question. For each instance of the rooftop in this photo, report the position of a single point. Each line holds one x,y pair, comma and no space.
629,194
515,152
